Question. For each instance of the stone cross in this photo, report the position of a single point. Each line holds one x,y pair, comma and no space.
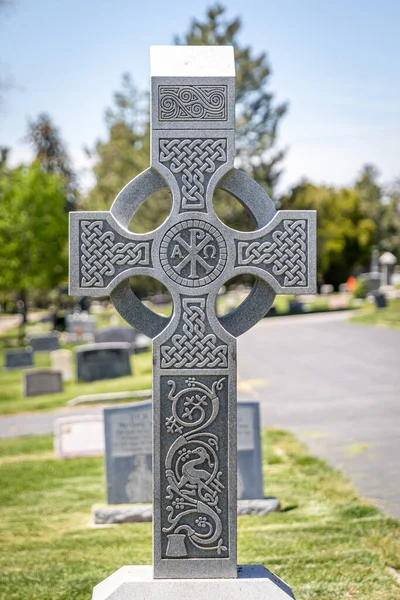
193,253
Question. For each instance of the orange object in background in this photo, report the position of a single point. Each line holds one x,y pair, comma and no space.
351,283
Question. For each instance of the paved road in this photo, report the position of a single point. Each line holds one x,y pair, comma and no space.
335,385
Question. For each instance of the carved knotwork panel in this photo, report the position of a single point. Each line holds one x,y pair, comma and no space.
194,467
282,252
193,162
104,253
194,345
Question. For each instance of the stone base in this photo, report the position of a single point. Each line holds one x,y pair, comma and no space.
139,513
254,582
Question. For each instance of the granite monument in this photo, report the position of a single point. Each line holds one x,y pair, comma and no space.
194,352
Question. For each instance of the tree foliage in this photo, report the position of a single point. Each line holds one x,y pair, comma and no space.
125,152
50,151
33,229
257,114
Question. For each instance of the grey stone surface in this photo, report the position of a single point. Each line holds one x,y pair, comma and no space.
138,513
251,582
42,381
128,449
103,361
18,359
193,253
77,436
44,342
128,453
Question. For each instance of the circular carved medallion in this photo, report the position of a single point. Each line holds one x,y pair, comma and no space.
193,253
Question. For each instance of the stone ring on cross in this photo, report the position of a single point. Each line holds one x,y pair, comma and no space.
193,253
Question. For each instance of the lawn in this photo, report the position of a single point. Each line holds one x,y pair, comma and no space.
381,317
327,543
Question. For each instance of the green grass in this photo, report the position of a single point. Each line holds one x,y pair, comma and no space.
327,543
381,317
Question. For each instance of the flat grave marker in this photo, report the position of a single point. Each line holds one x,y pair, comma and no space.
194,352
79,436
103,361
39,382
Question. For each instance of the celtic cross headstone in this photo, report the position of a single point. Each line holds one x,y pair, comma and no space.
193,253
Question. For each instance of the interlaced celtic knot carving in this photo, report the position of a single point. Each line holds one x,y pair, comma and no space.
193,159
194,348
192,470
192,102
100,254
287,253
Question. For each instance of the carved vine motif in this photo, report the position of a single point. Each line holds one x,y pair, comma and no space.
192,102
286,252
192,159
194,348
192,470
100,254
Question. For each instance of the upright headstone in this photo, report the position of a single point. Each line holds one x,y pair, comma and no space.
116,334
18,359
78,436
103,361
44,342
61,360
128,448
387,260
250,479
80,326
194,352
39,382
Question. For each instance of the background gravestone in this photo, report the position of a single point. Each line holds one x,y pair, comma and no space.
128,438
18,359
250,478
42,381
103,361
80,326
116,334
128,449
61,360
79,436
44,342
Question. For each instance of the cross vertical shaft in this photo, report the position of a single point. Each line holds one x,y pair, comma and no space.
194,364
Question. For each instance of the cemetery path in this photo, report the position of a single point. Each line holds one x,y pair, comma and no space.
336,385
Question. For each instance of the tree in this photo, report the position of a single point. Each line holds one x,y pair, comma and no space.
344,233
51,153
125,153
257,115
33,230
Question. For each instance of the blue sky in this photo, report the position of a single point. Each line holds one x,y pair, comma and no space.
335,61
